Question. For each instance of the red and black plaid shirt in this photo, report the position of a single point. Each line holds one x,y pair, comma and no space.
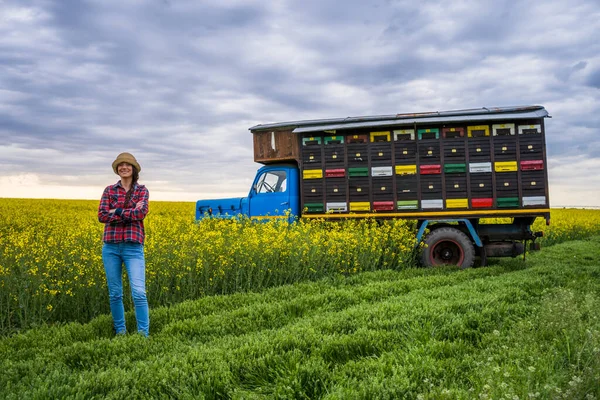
129,226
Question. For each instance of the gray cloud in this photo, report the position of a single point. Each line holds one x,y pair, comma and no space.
594,79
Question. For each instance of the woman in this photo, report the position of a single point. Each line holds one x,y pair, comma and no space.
122,209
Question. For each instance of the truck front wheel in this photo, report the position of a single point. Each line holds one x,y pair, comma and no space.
448,246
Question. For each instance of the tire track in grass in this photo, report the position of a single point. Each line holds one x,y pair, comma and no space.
72,355
219,311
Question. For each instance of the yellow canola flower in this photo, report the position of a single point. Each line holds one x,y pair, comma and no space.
51,262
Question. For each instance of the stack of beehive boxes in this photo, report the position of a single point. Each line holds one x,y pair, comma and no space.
429,168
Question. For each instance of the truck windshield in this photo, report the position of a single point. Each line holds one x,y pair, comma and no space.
272,181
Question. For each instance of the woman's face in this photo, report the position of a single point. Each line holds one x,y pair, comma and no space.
125,170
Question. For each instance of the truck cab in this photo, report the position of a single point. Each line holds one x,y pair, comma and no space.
274,194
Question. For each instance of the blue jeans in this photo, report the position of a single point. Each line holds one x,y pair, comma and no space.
114,255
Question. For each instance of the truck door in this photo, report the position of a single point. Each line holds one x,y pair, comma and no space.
270,193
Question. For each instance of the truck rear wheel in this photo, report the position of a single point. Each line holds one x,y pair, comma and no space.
448,246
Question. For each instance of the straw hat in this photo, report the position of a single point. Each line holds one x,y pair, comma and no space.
128,158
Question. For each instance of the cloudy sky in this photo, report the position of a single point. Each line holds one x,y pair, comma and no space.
179,82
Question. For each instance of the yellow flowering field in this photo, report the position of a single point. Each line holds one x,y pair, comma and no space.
51,268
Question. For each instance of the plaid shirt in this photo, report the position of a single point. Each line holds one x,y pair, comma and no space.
129,225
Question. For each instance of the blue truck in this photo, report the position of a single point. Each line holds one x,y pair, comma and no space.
450,171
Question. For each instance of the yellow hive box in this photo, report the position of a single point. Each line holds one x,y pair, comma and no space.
484,128
380,136
360,206
312,173
505,166
457,203
406,169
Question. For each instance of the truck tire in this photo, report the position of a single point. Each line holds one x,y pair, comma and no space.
448,246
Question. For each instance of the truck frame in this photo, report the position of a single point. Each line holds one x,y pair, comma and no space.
450,171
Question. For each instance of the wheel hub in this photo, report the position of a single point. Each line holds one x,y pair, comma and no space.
447,252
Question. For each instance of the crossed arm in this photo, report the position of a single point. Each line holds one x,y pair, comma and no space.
113,215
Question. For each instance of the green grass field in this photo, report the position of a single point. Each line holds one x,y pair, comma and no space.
511,330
